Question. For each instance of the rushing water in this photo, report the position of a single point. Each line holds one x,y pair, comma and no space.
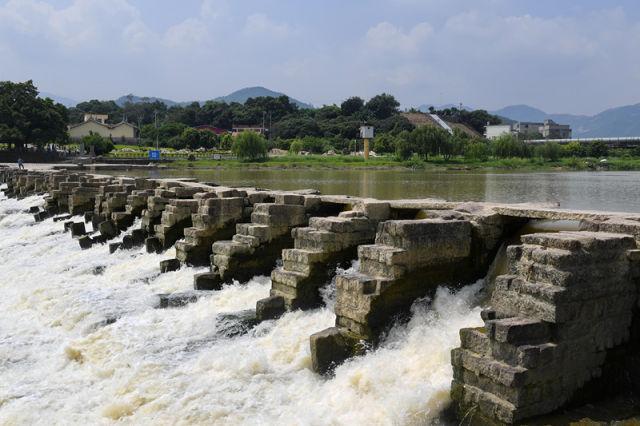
81,343
613,191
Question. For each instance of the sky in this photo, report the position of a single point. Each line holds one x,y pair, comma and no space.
573,56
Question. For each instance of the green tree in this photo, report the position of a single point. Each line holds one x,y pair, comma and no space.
427,140
477,150
574,149
296,146
26,118
250,146
101,145
549,151
403,145
226,142
508,146
382,106
598,149
352,106
384,143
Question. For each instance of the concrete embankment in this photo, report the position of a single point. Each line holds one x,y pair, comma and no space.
561,325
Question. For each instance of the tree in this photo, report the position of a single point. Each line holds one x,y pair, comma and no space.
508,146
598,149
382,106
427,140
403,145
26,118
574,149
549,151
352,106
101,145
384,143
296,146
250,146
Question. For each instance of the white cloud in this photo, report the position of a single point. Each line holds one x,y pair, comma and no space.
189,33
82,24
213,9
260,24
388,37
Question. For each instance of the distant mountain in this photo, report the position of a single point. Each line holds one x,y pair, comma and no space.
242,95
239,96
59,99
615,122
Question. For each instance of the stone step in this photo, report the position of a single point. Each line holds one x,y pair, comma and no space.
246,239
288,278
581,240
518,331
230,248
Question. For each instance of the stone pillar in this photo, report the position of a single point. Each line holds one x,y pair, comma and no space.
256,246
568,299
326,243
409,259
216,218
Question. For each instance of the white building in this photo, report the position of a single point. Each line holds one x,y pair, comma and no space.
497,130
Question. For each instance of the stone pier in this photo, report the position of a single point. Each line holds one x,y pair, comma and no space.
257,245
217,213
321,247
569,298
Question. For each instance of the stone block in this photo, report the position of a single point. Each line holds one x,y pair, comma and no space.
331,347
270,308
169,265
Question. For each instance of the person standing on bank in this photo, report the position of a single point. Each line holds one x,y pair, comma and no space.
20,164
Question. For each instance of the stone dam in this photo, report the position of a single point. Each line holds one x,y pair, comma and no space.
560,295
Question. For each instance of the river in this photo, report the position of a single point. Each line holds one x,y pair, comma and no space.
613,191
82,343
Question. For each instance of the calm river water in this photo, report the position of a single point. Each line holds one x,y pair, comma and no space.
614,191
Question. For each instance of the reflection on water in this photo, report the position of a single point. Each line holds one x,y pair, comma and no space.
614,191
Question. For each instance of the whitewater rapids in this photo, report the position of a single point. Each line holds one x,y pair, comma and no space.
82,343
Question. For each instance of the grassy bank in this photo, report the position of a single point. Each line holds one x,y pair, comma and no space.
435,163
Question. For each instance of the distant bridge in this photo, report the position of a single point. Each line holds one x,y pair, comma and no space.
624,142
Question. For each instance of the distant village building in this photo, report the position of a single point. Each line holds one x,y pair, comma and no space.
216,130
236,129
549,130
96,123
496,130
553,130
101,118
527,128
419,119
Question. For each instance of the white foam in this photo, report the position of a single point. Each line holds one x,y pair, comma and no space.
60,363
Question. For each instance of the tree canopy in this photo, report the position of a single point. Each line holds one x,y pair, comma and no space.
27,119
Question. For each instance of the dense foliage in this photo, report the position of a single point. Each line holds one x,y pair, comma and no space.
26,118
250,146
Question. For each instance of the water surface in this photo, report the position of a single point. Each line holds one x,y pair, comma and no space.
613,191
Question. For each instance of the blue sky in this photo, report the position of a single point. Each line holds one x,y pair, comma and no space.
578,56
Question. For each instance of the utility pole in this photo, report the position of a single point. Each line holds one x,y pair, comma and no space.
263,114
270,123
155,118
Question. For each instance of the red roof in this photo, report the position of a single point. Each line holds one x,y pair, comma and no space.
216,130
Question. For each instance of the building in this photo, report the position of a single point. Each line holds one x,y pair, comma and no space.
217,130
494,131
527,128
95,123
552,130
419,119
236,129
100,118
549,130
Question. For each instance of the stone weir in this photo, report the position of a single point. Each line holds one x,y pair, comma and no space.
257,245
215,219
561,323
409,259
319,249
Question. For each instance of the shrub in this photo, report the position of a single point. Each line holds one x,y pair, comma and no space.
250,146
549,151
